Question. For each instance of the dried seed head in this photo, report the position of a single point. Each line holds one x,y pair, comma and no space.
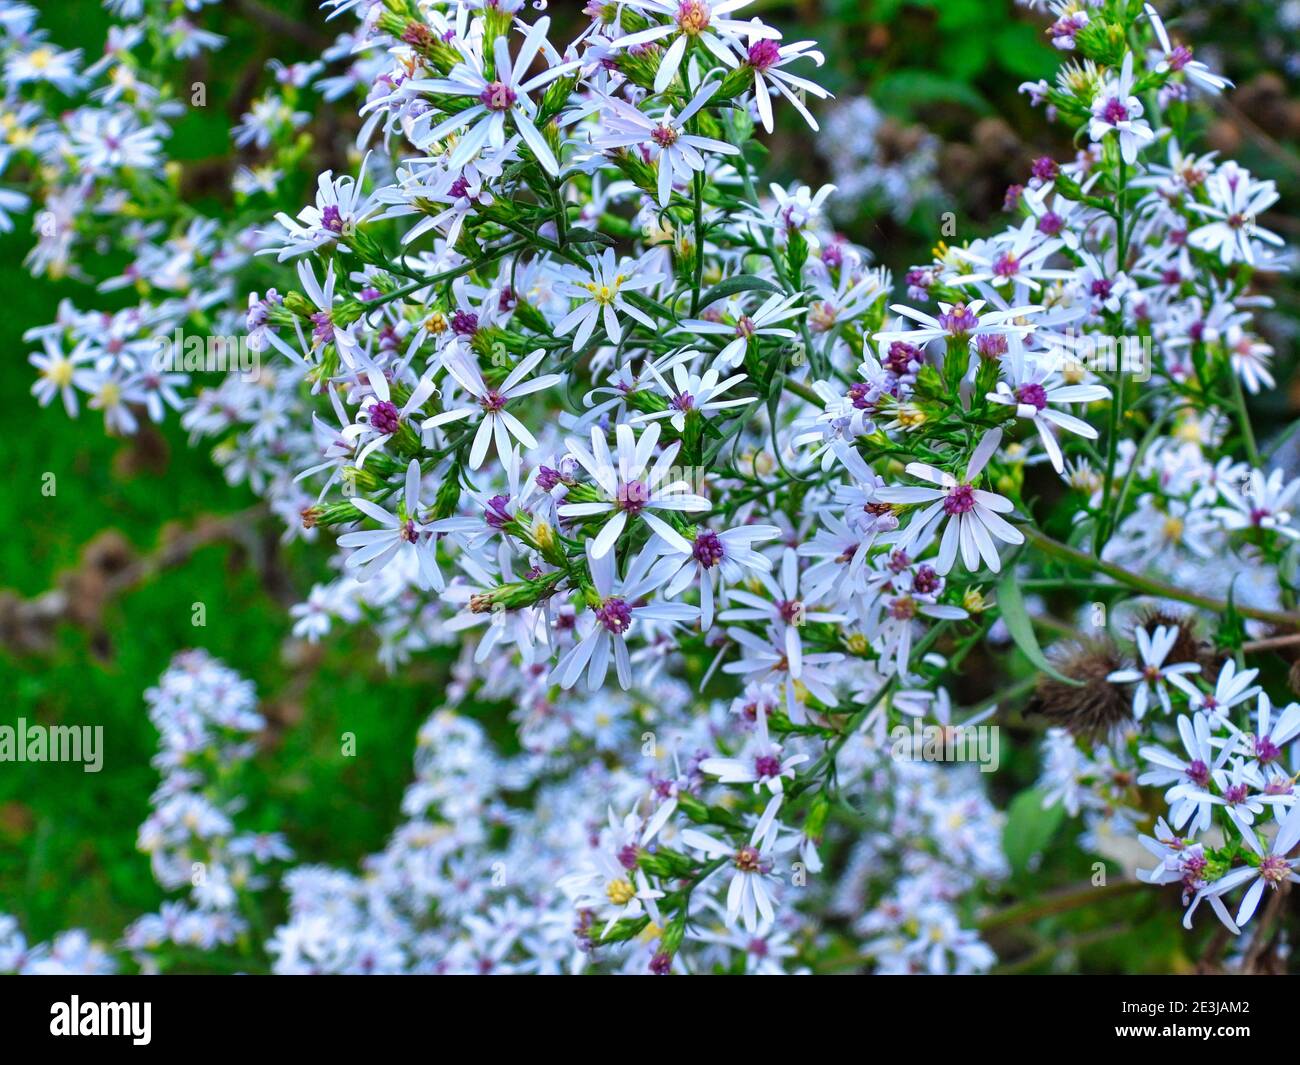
1093,709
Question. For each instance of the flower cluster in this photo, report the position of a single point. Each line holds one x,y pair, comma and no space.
661,454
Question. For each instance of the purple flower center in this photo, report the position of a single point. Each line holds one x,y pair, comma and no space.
498,97
627,857
1051,224
767,765
901,356
547,478
748,859
1115,111
331,219
860,395
791,611
1101,288
384,417
991,345
1266,750
464,323
661,964
633,496
707,549
745,327
1045,168
1007,265
926,581
1274,869
496,514
1236,794
492,401
458,188
684,402
1032,395
1198,772
615,615
664,135
763,54
959,320
903,608
322,327
959,500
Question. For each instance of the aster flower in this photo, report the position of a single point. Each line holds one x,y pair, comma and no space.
1272,869
1233,686
402,535
600,288
764,322
633,488
1236,202
749,896
783,608
1032,391
765,658
496,422
62,373
767,59
1195,769
502,96
1152,673
692,20
1179,58
618,606
760,765
959,321
972,514
690,391
340,207
1116,110
677,151
107,140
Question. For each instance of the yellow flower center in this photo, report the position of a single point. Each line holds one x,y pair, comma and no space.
620,892
60,373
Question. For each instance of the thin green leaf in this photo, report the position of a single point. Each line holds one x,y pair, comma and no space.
1012,607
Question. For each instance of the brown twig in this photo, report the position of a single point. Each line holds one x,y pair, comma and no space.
109,567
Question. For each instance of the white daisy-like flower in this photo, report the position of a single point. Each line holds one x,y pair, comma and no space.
601,288
619,604
1032,391
497,422
1236,202
971,513
764,322
1270,870
749,895
633,487
1151,672
679,153
505,95
1115,109
402,533
693,20
690,391
339,208
761,764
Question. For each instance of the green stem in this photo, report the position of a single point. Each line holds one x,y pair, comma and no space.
1148,585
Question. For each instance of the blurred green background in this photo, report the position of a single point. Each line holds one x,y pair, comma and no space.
943,75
